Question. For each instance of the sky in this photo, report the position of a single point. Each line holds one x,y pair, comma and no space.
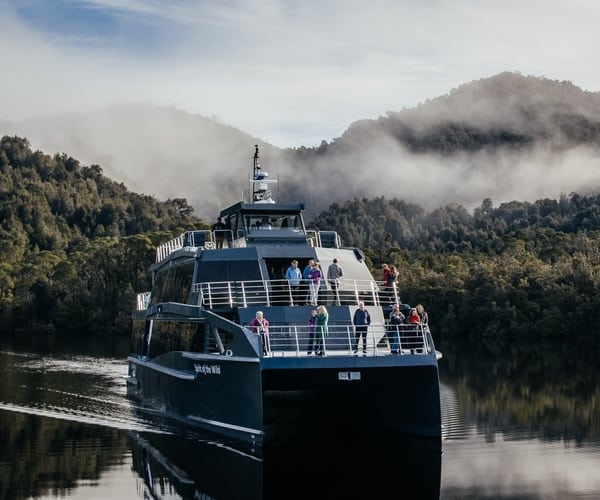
292,73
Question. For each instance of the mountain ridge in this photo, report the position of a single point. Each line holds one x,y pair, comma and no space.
504,137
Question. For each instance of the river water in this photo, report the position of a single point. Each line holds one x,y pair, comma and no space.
516,426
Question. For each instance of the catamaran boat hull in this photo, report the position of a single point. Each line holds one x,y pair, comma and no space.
240,396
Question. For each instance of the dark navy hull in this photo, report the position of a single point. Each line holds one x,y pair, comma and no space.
220,395
242,397
394,399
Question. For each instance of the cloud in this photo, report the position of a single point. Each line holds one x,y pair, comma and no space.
291,73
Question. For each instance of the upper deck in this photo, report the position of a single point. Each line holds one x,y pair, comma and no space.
207,239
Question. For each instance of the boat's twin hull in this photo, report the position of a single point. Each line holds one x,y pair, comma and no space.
240,397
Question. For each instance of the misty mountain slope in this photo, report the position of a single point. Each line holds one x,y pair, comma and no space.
505,110
507,137
154,150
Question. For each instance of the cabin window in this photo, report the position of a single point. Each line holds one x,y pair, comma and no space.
168,336
274,222
173,284
242,270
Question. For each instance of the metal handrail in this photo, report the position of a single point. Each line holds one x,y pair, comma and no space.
281,292
208,239
296,340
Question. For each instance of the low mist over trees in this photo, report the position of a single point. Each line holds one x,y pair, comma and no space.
75,248
506,137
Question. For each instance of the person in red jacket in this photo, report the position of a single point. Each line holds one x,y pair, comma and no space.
260,326
413,317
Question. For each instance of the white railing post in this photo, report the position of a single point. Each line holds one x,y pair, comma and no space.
230,294
244,299
297,340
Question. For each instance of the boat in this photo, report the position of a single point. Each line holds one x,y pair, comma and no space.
195,358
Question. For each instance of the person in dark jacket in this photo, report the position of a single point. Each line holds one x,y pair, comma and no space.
396,319
334,274
361,320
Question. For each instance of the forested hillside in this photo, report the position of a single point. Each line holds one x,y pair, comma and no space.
516,271
75,248
73,244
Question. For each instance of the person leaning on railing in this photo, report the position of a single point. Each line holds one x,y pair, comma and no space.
260,326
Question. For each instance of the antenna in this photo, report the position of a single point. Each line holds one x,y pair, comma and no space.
260,190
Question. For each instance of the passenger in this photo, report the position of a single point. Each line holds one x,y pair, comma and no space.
294,277
306,280
385,272
265,223
321,330
315,275
219,228
393,285
312,323
413,317
361,321
260,326
416,331
424,319
385,283
396,319
334,273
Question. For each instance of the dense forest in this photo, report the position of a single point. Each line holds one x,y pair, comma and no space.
75,248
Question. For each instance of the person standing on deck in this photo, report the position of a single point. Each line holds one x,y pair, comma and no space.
393,285
306,280
294,277
361,321
260,326
322,330
218,229
334,273
396,319
413,317
315,275
312,325
422,314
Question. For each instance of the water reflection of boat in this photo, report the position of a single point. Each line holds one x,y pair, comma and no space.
175,466
195,358
318,466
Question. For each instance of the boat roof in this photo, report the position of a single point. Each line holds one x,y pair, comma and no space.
262,208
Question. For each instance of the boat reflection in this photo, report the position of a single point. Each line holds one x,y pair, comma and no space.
311,464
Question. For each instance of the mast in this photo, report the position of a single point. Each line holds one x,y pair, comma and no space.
260,189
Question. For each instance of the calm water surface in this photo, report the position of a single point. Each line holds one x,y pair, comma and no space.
519,428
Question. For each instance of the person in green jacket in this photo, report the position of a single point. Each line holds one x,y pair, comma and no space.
321,330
